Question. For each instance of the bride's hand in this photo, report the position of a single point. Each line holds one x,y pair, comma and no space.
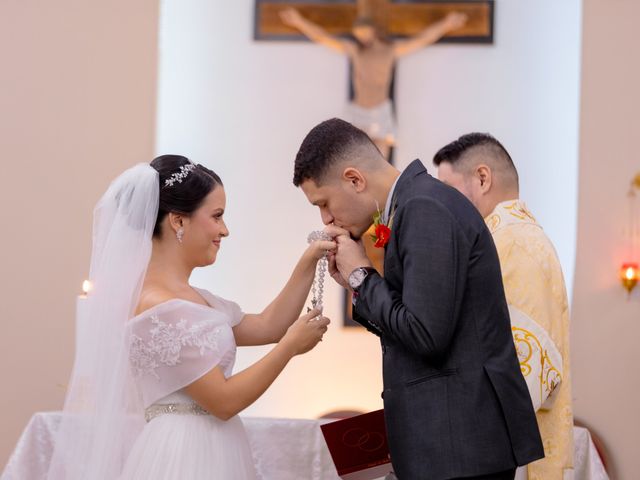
318,249
305,333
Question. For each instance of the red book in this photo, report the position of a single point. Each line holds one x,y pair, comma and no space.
358,446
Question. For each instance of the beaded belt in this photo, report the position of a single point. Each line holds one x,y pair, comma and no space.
156,409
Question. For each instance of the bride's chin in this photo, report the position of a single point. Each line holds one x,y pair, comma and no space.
208,259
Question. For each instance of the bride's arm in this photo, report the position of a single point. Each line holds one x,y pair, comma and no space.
226,397
270,325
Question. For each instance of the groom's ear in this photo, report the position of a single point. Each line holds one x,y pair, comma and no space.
355,178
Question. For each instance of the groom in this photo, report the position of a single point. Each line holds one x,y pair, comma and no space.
456,403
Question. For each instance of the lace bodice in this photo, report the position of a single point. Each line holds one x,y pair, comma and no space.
176,342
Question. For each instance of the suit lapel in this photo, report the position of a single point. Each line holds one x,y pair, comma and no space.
414,168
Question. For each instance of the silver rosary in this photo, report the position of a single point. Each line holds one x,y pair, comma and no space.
317,287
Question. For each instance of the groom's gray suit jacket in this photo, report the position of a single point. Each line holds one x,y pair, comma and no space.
456,403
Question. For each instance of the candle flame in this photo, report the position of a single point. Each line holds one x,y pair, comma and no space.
630,273
629,276
86,286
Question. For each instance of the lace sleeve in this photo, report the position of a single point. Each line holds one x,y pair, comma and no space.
175,345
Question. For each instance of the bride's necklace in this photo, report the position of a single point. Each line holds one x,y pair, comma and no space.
317,287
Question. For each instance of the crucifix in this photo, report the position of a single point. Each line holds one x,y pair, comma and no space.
379,33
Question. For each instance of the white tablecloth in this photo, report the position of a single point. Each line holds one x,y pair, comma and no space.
283,449
587,464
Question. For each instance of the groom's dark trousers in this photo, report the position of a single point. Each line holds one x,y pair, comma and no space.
456,403
506,475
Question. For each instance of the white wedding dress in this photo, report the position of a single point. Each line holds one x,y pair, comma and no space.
173,344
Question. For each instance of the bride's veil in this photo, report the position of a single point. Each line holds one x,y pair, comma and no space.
103,412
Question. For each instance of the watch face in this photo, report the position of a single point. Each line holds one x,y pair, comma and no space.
356,278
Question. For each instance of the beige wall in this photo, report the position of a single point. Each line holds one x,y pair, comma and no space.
606,327
77,106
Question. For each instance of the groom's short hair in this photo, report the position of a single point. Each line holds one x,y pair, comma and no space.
327,144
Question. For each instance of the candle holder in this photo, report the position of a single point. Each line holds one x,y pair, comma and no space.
629,276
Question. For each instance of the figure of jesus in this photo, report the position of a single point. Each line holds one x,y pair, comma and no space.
373,58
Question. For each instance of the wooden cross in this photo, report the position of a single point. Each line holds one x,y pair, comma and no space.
396,19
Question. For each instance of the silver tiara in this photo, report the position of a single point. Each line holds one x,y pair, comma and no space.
179,176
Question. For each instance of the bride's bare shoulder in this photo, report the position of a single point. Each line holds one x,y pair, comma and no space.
153,295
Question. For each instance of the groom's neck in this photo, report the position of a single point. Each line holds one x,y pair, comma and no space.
384,181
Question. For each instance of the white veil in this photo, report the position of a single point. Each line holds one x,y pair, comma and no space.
103,412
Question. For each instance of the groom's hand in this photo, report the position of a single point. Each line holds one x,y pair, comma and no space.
333,271
350,255
335,232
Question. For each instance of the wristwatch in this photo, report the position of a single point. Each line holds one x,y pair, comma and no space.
358,275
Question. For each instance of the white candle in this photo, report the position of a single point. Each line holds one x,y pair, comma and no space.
82,365
82,324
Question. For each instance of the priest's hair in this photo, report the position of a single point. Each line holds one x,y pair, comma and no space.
465,153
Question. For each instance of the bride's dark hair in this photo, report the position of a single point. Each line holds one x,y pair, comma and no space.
181,197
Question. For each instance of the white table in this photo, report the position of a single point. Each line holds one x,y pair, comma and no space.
283,449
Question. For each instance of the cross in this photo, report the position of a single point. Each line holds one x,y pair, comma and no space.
396,19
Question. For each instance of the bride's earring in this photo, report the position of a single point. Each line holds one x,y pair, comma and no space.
180,234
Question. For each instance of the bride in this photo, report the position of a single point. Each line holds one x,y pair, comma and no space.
156,398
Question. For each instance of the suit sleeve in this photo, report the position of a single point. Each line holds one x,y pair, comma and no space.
434,255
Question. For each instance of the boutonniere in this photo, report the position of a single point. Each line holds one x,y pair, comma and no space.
382,232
